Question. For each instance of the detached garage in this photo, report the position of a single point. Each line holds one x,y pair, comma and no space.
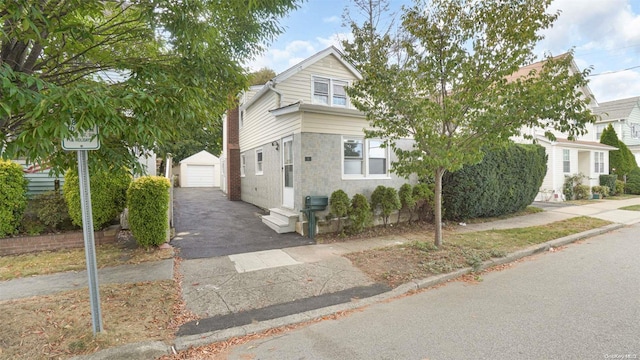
200,170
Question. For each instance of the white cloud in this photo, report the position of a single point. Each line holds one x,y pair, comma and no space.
331,19
614,86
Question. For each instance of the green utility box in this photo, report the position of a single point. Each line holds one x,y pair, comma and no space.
313,204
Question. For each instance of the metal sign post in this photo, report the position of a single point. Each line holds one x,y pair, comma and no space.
89,241
84,142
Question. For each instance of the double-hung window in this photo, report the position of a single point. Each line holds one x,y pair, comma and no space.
259,161
599,162
364,158
329,92
243,165
566,160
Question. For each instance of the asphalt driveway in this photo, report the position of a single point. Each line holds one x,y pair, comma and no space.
209,225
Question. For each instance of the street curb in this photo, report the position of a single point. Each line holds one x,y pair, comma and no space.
186,342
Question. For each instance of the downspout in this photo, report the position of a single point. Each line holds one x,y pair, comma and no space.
271,86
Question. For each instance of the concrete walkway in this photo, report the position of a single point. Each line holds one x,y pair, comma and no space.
257,290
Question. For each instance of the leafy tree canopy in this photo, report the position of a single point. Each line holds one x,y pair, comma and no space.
446,80
261,76
142,71
621,161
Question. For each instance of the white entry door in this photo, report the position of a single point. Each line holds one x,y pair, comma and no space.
287,172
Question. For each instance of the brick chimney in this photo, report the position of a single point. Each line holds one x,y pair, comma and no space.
233,154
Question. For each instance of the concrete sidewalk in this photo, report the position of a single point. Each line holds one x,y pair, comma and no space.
252,292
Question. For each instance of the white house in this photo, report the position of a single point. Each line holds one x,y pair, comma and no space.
624,116
199,170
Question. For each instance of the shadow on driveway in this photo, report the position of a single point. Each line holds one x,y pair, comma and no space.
208,225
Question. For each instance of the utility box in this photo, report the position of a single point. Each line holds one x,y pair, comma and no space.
316,203
311,205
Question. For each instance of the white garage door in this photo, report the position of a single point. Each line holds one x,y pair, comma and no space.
200,176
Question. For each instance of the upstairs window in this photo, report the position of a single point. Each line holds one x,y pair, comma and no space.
329,92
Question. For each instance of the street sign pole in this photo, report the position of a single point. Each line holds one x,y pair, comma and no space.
89,241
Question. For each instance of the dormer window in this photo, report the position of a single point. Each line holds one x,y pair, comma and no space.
329,92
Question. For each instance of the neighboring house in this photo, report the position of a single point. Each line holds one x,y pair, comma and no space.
199,170
585,155
298,135
624,116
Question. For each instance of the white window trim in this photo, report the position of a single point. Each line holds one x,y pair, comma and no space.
365,156
259,169
598,160
243,165
241,119
332,81
563,161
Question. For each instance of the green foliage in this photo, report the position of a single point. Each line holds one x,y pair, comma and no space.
600,190
148,203
339,203
261,76
108,195
359,214
13,197
619,187
581,192
51,209
423,196
621,161
633,182
424,84
135,69
609,180
407,201
570,183
387,200
506,181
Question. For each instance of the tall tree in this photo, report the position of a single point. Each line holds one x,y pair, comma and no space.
260,77
621,161
142,71
456,92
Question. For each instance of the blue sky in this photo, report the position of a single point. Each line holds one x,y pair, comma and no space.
604,33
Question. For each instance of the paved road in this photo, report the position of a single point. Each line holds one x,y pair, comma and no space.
208,225
582,302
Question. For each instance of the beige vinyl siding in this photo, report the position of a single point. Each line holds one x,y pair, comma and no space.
634,118
261,127
298,87
333,124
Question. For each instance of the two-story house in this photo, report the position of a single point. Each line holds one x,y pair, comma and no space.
299,135
584,155
624,116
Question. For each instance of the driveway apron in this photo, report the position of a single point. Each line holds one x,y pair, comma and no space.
208,225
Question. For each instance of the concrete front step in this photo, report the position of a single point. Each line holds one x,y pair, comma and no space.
281,220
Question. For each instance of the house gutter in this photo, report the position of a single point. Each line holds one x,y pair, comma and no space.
271,86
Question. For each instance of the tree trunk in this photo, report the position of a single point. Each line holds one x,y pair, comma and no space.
438,207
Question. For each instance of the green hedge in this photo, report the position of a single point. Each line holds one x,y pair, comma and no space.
148,203
610,182
507,180
108,195
13,197
633,182
360,216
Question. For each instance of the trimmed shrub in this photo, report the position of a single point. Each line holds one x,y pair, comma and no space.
108,195
407,201
13,197
567,188
377,197
359,214
339,204
600,190
507,180
582,192
423,195
619,187
51,209
387,200
148,203
633,182
610,182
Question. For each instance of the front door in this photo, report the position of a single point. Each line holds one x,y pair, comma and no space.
287,172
